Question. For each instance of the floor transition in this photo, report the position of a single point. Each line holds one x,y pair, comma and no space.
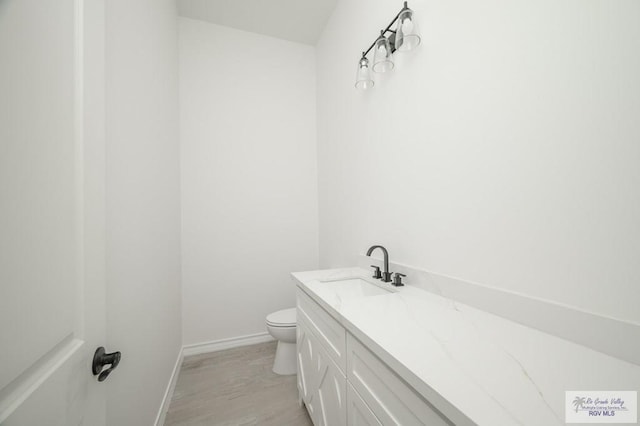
235,387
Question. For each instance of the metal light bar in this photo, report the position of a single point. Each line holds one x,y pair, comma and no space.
388,30
404,37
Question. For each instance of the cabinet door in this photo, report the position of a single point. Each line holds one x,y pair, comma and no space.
331,386
321,384
359,414
307,366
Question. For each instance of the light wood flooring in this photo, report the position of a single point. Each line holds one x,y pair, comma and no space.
235,387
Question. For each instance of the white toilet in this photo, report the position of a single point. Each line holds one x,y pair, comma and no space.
282,326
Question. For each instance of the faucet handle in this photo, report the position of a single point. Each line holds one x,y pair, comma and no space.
397,279
376,273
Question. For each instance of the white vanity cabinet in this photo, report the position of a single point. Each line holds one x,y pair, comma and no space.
342,382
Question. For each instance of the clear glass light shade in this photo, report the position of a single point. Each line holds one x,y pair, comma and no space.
363,76
407,35
382,61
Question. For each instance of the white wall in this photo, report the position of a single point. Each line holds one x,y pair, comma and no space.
143,205
249,180
503,151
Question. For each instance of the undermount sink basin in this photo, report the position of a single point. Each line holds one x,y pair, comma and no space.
351,288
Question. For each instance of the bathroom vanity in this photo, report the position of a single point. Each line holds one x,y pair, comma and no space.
340,379
369,353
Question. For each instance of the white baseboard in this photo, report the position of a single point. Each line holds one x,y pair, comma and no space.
222,344
168,394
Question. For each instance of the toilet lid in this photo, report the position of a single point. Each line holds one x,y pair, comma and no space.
283,318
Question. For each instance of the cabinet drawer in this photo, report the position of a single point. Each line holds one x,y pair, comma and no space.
330,334
388,397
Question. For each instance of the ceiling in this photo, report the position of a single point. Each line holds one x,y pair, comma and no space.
300,21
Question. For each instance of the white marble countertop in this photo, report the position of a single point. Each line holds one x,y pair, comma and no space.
475,367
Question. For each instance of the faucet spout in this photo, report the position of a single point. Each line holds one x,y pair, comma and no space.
386,275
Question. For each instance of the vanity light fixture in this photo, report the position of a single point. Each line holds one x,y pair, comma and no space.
363,77
404,38
382,60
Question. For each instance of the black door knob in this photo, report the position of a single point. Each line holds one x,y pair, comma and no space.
102,358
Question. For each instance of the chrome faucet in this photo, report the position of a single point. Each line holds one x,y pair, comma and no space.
386,275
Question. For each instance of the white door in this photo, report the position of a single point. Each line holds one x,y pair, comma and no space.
51,211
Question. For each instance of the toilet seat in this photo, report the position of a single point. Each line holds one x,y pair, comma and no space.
283,318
